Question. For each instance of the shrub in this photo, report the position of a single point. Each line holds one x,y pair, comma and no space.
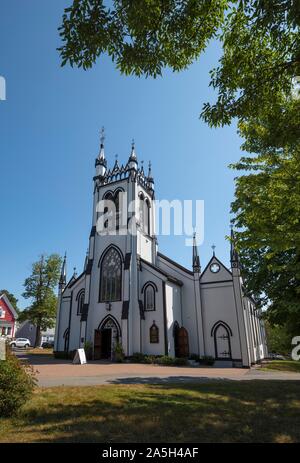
17,382
118,353
194,357
207,360
180,361
138,357
150,359
165,360
88,348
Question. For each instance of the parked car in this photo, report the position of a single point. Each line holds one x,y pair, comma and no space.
47,344
20,342
274,356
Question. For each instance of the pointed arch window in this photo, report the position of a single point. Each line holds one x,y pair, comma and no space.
111,276
154,334
149,297
80,302
141,210
147,216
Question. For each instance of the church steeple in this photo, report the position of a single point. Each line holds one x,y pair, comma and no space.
63,274
196,258
101,163
132,161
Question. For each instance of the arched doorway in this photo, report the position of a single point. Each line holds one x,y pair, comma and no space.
106,337
181,341
222,332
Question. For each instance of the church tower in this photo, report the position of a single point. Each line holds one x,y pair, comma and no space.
122,233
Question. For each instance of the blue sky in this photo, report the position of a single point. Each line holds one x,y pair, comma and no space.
49,129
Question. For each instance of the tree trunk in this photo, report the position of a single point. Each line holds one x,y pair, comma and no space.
38,336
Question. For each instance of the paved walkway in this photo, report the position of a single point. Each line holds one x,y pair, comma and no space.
54,372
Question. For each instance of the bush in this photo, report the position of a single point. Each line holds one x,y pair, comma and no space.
180,361
118,353
207,360
150,359
17,382
88,349
194,357
165,360
138,357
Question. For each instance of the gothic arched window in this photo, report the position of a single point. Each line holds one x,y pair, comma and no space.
141,210
111,276
149,297
147,217
80,301
154,334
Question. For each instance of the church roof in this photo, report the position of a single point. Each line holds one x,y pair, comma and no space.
169,277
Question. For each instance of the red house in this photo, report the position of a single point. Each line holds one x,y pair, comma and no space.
8,317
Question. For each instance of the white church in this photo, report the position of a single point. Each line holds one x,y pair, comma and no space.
131,294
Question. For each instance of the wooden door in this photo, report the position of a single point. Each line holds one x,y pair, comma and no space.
183,342
222,343
97,345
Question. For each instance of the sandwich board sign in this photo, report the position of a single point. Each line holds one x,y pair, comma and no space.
79,357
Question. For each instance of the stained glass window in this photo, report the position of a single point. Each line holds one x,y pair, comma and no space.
154,334
111,276
149,302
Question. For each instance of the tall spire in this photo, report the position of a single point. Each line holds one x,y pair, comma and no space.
132,161
101,162
234,257
63,273
196,259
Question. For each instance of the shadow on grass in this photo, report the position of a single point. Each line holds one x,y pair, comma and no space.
219,411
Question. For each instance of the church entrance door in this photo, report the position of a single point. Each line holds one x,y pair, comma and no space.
105,339
97,345
106,343
222,343
181,342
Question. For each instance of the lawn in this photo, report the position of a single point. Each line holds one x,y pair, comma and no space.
220,411
282,365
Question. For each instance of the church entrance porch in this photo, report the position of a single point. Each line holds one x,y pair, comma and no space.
105,338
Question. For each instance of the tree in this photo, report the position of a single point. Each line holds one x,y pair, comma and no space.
267,215
12,299
260,40
39,287
257,83
279,339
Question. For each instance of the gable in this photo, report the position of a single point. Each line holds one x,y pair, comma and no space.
7,312
220,274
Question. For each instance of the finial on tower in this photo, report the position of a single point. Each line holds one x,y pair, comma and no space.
196,258
234,257
63,273
102,136
213,248
101,162
116,166
149,177
132,161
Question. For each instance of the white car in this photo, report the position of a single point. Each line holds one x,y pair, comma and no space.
20,342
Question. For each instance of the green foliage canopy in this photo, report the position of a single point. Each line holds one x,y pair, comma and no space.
39,287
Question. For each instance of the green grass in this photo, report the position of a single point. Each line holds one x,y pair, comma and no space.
282,365
220,411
